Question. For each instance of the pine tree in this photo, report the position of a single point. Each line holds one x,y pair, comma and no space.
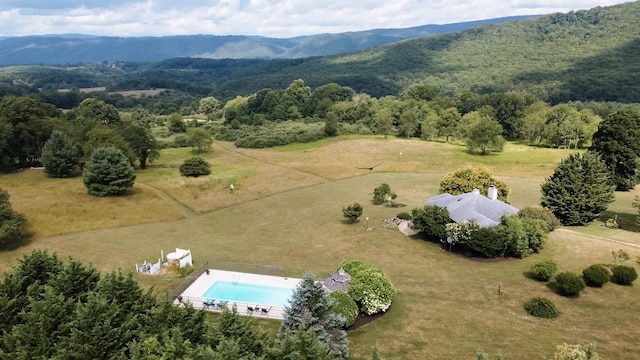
59,156
108,173
579,189
311,308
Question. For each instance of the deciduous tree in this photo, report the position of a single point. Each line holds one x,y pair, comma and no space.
485,135
467,178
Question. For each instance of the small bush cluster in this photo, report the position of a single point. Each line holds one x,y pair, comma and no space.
195,167
345,307
623,274
369,287
543,271
569,284
596,275
404,216
541,307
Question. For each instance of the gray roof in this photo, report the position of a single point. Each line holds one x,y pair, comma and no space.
473,206
338,281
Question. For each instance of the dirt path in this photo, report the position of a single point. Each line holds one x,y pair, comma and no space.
596,237
185,210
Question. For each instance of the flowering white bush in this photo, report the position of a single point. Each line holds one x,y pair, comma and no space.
461,233
370,288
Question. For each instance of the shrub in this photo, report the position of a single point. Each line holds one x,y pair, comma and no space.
352,212
541,307
550,221
195,167
596,275
623,274
487,242
543,271
344,306
369,287
569,284
404,216
431,220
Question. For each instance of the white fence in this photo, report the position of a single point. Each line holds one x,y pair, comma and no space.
251,309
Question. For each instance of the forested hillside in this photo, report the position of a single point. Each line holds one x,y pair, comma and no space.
73,49
583,55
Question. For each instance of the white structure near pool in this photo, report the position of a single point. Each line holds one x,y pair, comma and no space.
253,294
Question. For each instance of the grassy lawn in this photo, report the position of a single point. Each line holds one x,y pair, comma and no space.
286,212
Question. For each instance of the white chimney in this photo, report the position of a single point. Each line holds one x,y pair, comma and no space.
492,193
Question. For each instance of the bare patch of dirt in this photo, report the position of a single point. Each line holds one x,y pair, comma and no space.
363,320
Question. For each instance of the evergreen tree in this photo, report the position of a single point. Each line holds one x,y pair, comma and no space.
11,222
617,142
302,344
60,157
309,309
579,189
108,173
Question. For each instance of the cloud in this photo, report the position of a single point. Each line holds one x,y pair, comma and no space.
275,18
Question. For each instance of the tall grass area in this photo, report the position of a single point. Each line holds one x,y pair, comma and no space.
286,212
59,206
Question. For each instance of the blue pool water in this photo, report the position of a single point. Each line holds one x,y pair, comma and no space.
249,293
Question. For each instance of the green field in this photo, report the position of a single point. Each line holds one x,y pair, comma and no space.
286,212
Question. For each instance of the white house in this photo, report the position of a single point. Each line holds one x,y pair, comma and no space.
485,210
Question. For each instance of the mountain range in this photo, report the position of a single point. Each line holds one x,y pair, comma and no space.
78,48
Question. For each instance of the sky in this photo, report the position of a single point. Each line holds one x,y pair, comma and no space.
271,18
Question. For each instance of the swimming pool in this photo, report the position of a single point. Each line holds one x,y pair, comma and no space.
249,293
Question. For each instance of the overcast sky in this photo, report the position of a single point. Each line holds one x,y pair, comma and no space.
272,18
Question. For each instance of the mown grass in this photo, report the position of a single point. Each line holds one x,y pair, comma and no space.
448,307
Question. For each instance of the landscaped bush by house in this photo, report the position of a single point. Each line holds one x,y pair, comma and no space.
541,307
487,242
543,271
569,284
369,287
404,216
551,221
623,274
195,167
431,220
522,236
344,306
596,275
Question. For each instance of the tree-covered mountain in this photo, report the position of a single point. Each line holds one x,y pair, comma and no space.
74,48
583,55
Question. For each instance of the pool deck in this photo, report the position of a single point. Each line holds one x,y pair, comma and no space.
193,294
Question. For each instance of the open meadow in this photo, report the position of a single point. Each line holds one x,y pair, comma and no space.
286,212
